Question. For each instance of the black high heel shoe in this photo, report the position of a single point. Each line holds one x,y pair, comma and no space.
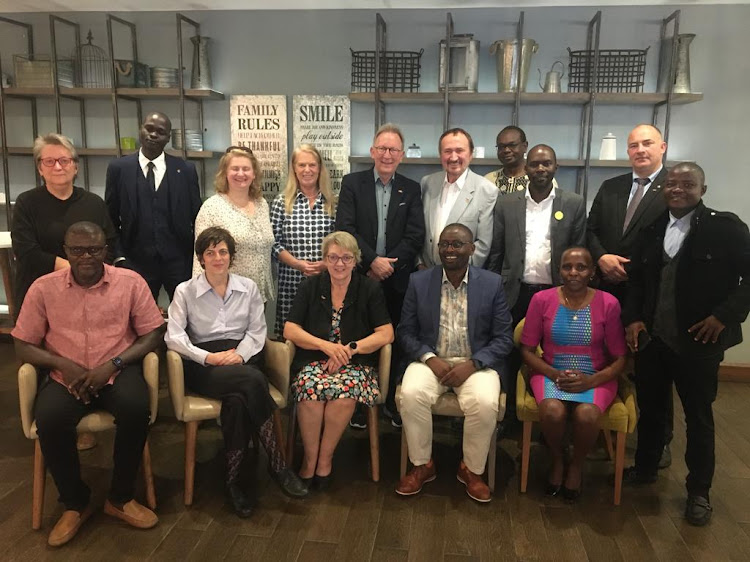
552,490
238,501
322,483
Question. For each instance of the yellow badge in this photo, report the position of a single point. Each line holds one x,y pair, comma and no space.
559,215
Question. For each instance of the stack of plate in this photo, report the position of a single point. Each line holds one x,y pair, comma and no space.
193,139
162,77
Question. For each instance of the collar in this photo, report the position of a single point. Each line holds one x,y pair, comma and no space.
377,178
680,222
158,161
652,177
202,286
318,197
464,280
105,278
459,182
549,197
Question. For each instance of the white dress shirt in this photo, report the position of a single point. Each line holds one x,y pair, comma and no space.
537,268
448,198
160,167
198,314
677,230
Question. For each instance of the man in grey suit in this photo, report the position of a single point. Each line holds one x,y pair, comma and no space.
532,229
456,195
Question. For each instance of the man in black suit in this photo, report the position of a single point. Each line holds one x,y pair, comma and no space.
153,199
622,208
383,211
689,292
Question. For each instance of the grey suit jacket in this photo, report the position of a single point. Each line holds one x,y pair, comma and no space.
473,208
508,253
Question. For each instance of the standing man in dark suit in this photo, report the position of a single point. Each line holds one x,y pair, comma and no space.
532,229
153,199
622,208
383,211
689,292
456,331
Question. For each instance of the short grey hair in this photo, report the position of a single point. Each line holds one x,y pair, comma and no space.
388,128
53,139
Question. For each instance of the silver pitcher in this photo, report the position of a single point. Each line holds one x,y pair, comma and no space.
200,78
508,60
552,79
681,67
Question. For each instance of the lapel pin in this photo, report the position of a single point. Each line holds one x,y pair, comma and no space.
559,215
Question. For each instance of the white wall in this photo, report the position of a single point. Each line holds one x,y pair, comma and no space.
293,52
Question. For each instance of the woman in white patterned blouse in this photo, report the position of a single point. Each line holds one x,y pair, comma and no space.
240,208
301,217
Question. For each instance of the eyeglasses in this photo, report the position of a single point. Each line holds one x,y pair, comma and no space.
64,161
242,148
511,145
391,150
333,258
78,251
455,244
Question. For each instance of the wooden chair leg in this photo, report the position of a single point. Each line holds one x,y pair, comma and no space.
290,434
191,436
491,461
525,450
404,453
619,465
37,492
372,426
148,477
279,432
608,441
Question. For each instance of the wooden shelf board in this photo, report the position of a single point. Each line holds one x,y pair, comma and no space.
106,92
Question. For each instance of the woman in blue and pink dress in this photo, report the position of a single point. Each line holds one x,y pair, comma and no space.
575,380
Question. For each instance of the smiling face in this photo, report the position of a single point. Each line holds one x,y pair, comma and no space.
154,135
216,259
57,177
541,166
576,269
455,248
340,263
455,155
307,170
683,190
645,150
240,174
85,252
387,162
510,148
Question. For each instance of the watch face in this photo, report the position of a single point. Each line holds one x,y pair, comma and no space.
353,344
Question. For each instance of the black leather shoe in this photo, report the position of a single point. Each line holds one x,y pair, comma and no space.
322,483
632,477
666,457
394,416
359,418
698,511
552,490
570,496
290,483
238,501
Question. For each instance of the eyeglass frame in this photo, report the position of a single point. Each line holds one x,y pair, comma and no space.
70,160
333,259
511,145
455,244
78,251
390,150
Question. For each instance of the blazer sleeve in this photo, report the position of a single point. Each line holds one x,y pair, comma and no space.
112,196
632,308
497,249
594,224
483,234
346,218
737,304
412,239
408,329
195,193
501,341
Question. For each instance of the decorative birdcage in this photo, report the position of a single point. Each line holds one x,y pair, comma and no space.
94,65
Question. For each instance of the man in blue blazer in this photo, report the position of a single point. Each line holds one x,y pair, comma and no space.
153,199
456,329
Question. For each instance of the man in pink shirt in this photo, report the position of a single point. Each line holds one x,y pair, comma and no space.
89,327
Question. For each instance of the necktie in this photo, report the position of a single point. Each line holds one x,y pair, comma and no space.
637,196
150,177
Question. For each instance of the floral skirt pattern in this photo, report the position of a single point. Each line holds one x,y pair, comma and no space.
351,381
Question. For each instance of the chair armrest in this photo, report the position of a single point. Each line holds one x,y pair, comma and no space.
27,387
151,375
176,383
521,391
278,364
384,371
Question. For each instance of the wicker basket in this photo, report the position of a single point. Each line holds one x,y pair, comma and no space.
399,71
36,72
620,70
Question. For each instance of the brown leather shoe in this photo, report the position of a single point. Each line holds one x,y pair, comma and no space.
416,478
67,526
86,441
475,486
133,514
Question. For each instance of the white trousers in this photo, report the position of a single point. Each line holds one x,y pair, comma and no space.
478,398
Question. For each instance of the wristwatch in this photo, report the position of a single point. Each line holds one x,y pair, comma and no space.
118,362
353,345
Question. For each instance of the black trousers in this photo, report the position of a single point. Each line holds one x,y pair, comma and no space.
696,379
57,413
158,271
243,390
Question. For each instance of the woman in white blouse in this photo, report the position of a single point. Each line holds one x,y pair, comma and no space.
217,325
239,207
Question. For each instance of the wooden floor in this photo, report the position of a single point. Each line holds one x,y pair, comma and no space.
358,520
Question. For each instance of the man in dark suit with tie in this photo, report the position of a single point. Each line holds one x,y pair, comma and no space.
689,295
153,199
383,211
622,208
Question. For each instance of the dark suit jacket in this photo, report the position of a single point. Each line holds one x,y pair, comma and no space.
713,276
404,229
122,201
490,329
607,216
508,251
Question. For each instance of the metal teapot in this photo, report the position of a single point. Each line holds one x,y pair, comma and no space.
552,79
